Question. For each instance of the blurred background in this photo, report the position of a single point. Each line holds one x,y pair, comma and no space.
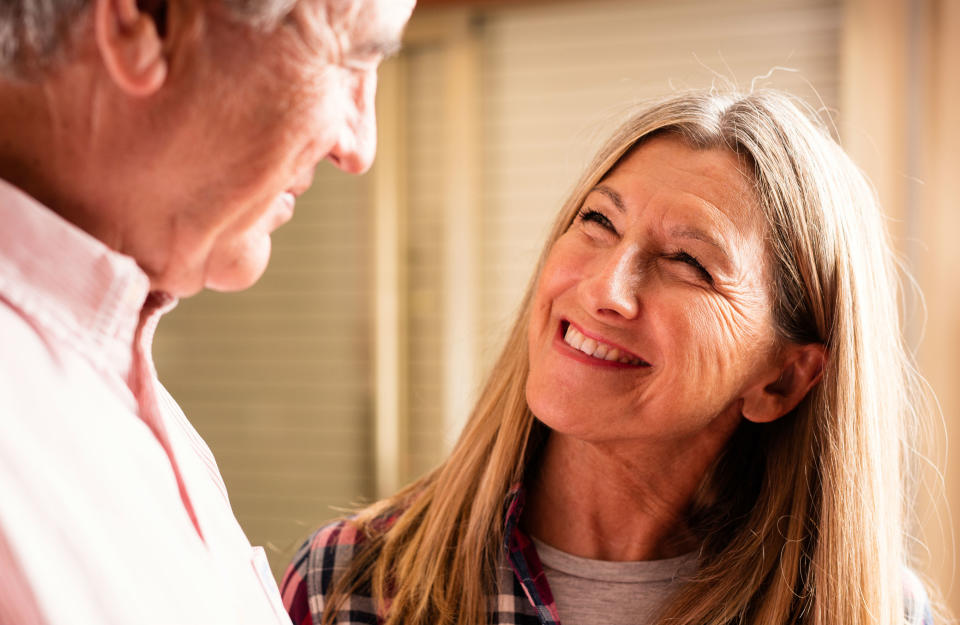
349,368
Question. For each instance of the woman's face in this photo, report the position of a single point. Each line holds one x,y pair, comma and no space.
652,318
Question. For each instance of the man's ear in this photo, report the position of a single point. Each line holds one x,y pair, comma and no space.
130,41
801,367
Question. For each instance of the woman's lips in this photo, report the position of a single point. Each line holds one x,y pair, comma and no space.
594,350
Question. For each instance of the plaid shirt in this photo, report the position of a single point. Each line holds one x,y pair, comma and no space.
523,598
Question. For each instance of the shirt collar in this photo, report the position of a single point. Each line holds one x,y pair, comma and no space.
522,556
71,284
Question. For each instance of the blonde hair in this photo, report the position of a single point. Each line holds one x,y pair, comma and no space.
801,520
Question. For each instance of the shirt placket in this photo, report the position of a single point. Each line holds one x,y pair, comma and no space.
526,564
147,394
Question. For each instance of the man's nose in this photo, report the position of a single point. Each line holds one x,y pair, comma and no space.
356,144
613,287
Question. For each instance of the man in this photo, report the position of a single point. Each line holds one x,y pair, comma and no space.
147,150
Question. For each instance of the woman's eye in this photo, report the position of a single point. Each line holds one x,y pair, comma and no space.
684,257
590,215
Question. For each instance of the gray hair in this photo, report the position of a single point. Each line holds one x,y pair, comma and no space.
34,32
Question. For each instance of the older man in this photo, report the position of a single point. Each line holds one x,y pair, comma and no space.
147,150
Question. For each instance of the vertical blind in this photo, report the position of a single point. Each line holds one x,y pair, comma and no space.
425,277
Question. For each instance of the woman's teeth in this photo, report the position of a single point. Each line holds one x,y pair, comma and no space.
590,347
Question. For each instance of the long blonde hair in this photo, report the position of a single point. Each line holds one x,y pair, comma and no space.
801,520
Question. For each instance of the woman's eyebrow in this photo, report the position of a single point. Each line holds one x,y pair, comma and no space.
691,232
612,194
679,232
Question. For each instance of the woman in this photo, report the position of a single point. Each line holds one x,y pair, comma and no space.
700,415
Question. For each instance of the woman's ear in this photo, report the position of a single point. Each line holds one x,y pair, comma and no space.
801,367
130,41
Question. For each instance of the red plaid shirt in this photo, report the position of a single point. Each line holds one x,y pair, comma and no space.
523,596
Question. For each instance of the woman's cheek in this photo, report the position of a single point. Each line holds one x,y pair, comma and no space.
562,271
700,339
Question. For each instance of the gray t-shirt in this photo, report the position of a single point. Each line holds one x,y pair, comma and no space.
598,592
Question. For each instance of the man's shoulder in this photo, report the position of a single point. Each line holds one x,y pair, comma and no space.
30,358
18,330
41,372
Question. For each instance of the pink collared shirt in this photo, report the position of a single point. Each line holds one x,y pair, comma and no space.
112,509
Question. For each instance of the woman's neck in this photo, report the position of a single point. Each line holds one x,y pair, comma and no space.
618,501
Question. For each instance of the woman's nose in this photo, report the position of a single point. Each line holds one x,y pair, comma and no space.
614,287
356,143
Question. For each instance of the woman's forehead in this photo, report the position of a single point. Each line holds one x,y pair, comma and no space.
668,169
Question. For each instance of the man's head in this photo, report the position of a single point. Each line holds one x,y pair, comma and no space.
181,131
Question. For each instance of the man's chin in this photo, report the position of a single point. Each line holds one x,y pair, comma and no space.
241,268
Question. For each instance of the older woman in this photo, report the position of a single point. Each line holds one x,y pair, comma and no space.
697,418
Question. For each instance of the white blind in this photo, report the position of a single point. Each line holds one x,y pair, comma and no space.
425,273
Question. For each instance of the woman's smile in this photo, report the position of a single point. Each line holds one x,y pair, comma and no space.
591,349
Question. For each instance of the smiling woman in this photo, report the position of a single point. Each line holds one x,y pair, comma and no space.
702,414
666,264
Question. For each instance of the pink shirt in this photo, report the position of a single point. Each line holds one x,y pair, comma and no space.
112,509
